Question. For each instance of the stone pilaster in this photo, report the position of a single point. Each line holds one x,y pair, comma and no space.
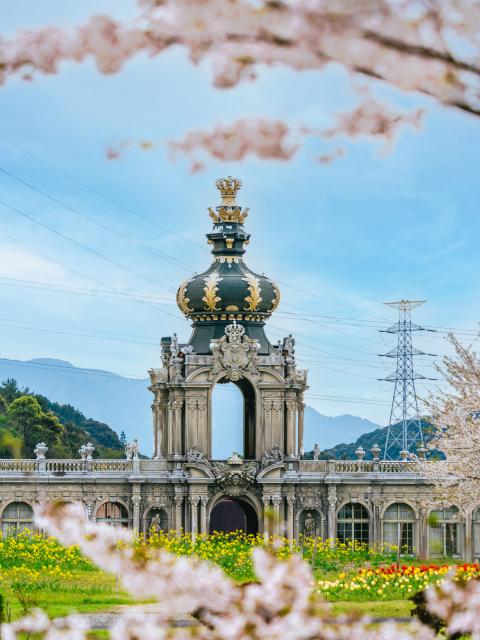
193,501
331,519
291,407
266,521
178,502
136,500
203,514
290,506
301,414
276,501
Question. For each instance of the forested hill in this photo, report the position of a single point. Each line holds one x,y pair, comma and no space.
367,440
28,418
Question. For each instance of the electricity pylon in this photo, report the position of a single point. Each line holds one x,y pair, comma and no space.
405,426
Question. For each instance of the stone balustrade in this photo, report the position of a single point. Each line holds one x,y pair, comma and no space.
154,466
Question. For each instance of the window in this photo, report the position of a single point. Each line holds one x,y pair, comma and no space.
112,513
353,523
445,537
16,517
476,534
399,527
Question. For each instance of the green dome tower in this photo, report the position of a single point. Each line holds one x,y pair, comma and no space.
228,290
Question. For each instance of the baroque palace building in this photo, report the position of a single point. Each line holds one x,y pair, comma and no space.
182,487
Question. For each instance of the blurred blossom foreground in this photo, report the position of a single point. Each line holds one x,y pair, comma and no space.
280,605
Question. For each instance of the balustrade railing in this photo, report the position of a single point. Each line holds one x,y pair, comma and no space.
62,466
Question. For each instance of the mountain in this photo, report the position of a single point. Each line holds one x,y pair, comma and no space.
328,430
124,404
27,419
367,440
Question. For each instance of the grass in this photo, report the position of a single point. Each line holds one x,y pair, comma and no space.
375,608
82,592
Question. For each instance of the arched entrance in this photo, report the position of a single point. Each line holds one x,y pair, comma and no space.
232,514
233,419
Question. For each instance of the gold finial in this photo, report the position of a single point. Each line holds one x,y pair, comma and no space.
228,211
228,188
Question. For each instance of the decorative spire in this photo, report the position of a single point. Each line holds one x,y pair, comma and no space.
228,211
228,188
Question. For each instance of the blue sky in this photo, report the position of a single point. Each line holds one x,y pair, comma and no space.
344,237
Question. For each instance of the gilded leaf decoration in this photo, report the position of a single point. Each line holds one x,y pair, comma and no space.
254,289
210,289
182,299
276,300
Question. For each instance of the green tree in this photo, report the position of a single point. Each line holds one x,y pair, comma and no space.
10,390
3,405
26,417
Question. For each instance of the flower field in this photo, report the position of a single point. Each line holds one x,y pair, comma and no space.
392,582
35,570
40,554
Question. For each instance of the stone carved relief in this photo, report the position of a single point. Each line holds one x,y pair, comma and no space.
195,455
308,498
234,353
235,477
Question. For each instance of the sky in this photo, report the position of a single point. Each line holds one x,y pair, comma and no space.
340,239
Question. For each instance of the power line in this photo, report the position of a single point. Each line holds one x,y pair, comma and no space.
100,194
97,293
85,247
80,273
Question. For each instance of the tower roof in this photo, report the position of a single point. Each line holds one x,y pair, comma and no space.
228,290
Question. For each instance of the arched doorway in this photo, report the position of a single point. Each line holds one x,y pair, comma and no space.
232,514
233,419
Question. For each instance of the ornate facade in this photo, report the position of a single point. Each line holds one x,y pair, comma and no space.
182,487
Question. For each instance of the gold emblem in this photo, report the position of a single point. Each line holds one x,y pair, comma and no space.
276,300
182,299
210,289
228,211
254,289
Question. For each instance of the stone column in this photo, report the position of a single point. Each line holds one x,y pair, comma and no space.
290,443
276,500
301,413
89,510
177,427
194,500
178,501
331,519
468,550
159,435
136,500
170,427
377,525
290,505
203,514
422,532
155,429
266,507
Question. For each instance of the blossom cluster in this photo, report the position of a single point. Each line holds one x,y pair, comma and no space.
427,47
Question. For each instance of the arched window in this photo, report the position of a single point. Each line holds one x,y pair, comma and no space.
476,534
16,517
445,533
399,527
233,419
353,523
112,513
